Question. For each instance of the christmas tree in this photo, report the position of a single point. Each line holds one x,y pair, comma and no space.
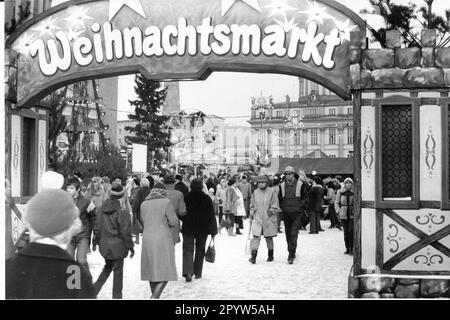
150,127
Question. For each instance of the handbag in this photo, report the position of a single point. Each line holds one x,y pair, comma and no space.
210,255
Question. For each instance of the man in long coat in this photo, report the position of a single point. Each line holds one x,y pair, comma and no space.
264,211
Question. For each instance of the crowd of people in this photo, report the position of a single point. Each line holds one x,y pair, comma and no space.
69,219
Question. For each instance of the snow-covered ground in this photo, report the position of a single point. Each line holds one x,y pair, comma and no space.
319,272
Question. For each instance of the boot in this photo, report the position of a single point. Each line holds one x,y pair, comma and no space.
238,231
290,258
230,232
270,257
253,258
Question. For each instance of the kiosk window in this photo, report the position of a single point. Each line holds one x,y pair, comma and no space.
397,156
29,153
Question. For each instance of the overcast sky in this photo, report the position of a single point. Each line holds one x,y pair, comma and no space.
229,94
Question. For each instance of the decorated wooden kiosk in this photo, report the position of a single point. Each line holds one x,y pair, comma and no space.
401,106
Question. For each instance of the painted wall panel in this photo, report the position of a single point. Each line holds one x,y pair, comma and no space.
427,259
430,153
42,151
368,153
16,155
427,220
368,238
395,238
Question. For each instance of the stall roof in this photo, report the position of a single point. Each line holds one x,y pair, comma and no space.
323,166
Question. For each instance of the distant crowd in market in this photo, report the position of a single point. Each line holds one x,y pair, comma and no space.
69,219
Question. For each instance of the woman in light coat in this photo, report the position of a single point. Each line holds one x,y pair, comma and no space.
344,205
264,209
158,245
221,196
230,207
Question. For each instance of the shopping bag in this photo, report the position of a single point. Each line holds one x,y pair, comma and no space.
210,255
248,250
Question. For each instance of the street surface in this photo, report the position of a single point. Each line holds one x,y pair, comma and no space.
319,272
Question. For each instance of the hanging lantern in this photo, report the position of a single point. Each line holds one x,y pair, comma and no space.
92,113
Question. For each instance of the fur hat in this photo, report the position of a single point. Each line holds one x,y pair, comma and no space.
289,169
51,212
263,178
117,190
169,179
52,180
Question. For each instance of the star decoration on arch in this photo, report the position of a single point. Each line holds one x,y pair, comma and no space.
76,19
316,12
74,34
344,29
116,5
227,4
287,25
46,26
279,7
24,44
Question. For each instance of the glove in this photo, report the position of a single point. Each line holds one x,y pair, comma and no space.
131,253
94,247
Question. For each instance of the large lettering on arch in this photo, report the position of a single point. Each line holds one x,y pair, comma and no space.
183,39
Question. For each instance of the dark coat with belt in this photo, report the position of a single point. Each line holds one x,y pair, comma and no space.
42,271
113,231
200,218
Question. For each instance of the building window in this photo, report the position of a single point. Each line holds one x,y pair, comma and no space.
279,113
313,112
332,136
349,135
313,136
332,112
297,138
398,155
350,111
332,155
446,155
280,137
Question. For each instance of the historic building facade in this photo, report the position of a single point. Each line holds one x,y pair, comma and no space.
318,124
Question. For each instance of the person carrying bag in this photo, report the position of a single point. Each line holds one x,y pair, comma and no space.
210,255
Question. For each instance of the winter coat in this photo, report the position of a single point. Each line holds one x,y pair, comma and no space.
158,247
41,271
246,189
113,231
264,210
240,205
344,203
200,218
298,201
177,200
87,218
221,195
182,187
315,198
140,197
230,206
134,193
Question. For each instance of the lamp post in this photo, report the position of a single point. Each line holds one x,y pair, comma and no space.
295,121
263,107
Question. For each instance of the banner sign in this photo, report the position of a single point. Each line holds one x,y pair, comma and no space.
183,39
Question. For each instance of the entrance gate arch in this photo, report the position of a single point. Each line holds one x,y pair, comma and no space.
167,40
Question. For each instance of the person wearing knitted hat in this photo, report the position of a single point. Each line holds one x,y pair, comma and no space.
113,236
43,269
79,246
344,207
158,245
293,200
264,209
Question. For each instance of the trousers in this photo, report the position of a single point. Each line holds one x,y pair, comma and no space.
292,222
115,266
347,225
254,243
193,253
78,249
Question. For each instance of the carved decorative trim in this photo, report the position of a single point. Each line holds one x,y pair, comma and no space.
430,157
368,151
